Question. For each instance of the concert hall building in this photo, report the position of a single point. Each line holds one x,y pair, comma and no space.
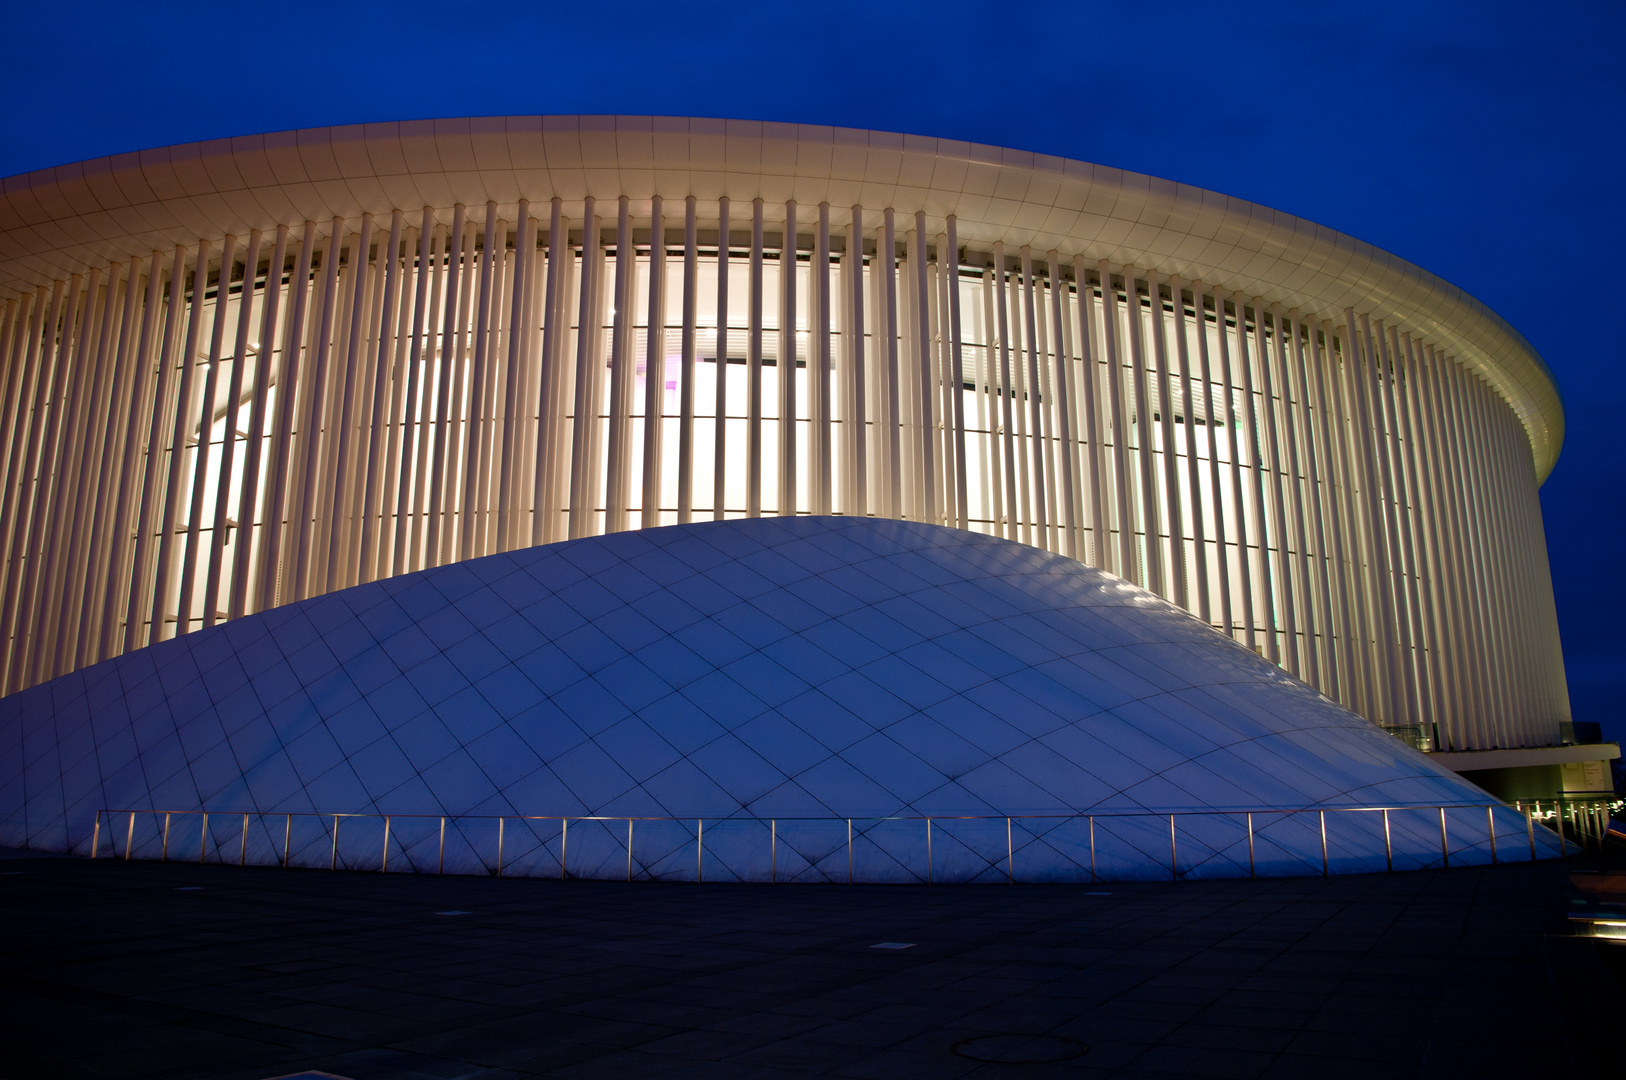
571,473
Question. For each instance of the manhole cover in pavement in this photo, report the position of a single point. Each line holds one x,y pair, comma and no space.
1020,1049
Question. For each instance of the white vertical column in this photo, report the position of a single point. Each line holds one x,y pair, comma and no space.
753,367
203,417
819,367
1475,723
395,443
930,466
1256,488
891,442
313,436
1318,568
119,581
224,491
60,481
437,406
719,482
949,263
1007,399
1495,573
269,569
1402,554
21,495
486,434
63,553
1343,374
945,435
103,459
552,384
618,479
513,405
75,327
1289,414
1177,572
1065,411
584,414
786,496
687,372
989,414
1425,625
490,251
1274,416
253,453
20,375
455,356
1452,693
1125,564
1380,575
1239,502
1089,405
1034,451
1330,495
336,471
20,492
649,502
1021,508
1216,486
1198,530
1153,575
855,418
1045,425
414,431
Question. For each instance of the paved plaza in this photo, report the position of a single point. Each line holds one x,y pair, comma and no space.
118,969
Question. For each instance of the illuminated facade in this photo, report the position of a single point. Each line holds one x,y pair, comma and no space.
244,373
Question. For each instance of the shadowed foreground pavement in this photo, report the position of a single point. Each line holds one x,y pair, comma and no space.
143,970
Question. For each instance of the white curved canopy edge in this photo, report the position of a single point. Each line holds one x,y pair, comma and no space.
62,220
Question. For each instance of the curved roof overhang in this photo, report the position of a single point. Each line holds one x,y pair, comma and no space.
58,221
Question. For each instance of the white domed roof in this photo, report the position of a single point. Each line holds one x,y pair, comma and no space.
819,669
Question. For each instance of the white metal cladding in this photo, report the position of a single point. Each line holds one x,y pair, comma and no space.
746,688
1343,493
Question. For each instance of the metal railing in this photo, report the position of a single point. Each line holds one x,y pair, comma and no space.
412,834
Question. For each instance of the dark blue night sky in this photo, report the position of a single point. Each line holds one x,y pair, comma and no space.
1484,141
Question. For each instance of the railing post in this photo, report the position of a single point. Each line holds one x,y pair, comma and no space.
928,851
242,854
96,835
1490,821
1174,866
1530,828
564,847
440,866
499,846
1388,843
1010,854
1094,877
773,851
129,837
203,838
384,859
1445,847
849,851
287,837
699,833
164,854
1322,815
629,849
333,862
1252,873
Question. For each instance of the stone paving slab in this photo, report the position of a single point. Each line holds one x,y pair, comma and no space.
219,973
